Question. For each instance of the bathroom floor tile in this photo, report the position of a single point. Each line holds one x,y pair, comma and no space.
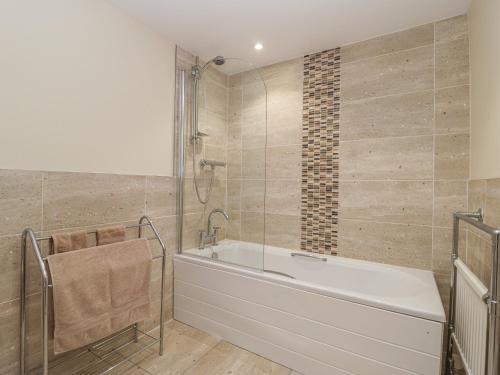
189,351
184,346
226,358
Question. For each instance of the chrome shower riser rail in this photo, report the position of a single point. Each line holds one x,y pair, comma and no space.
493,329
29,235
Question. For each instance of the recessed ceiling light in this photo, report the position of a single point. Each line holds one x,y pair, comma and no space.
258,46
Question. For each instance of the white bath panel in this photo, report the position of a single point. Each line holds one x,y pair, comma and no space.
310,332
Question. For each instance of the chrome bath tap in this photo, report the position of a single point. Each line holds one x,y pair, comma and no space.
209,237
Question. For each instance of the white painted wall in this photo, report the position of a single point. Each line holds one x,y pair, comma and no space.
484,20
84,87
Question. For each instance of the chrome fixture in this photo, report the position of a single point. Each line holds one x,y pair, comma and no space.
211,163
492,299
209,237
32,243
309,256
196,135
196,72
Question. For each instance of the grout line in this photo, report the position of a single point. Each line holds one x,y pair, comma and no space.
470,137
433,134
388,53
146,178
42,193
370,98
430,226
433,150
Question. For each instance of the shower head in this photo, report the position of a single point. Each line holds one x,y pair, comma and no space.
217,60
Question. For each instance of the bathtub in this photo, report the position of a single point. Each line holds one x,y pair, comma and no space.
320,316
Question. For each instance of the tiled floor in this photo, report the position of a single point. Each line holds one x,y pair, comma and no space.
189,351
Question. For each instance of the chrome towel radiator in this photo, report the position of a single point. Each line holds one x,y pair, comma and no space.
104,355
473,324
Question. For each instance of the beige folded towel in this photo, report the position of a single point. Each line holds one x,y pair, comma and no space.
69,241
98,291
106,236
62,243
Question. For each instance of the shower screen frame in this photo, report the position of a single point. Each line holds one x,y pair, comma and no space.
182,126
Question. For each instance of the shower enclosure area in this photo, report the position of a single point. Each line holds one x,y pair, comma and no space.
221,138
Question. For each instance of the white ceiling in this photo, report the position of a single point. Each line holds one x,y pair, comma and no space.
286,28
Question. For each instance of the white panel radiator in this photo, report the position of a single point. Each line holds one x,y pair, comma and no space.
471,320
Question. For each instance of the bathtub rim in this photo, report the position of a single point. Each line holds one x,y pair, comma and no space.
306,286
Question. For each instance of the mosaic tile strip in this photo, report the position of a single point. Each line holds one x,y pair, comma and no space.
320,152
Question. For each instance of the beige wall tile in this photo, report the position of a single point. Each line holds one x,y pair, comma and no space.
442,246
283,231
161,196
192,224
191,202
492,205
234,133
452,63
253,195
397,73
284,94
234,101
407,39
167,228
9,339
453,110
408,158
283,197
215,125
479,256
10,261
254,94
234,195
234,163
451,29
81,199
253,163
253,128
20,201
284,127
198,154
449,197
234,225
283,71
252,227
284,162
477,194
451,157
398,244
387,201
392,116
213,97
443,284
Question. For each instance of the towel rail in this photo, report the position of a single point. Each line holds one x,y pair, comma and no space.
491,299
29,236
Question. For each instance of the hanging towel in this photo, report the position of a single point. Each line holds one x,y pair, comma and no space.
106,236
62,243
98,291
68,241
